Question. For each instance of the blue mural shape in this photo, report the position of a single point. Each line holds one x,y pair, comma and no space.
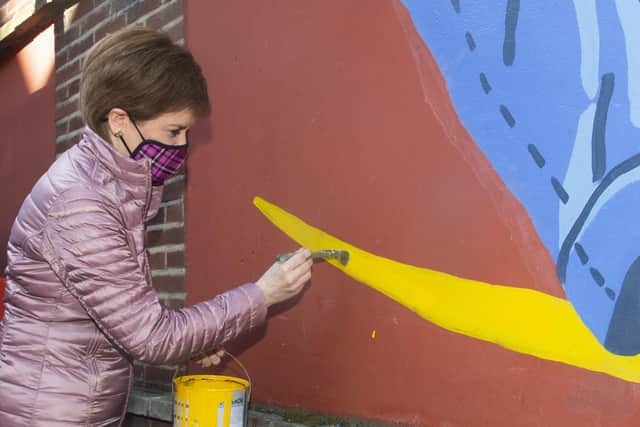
550,92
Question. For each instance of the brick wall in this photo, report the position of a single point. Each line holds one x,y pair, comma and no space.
80,27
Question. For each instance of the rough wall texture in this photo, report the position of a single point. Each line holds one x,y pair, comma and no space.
338,113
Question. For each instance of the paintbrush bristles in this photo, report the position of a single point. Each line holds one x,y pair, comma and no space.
341,256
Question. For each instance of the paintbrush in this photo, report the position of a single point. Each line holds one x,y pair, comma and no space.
341,256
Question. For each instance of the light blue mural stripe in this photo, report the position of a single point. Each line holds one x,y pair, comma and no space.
559,189
537,157
598,147
508,117
587,16
582,254
578,176
470,41
629,15
510,24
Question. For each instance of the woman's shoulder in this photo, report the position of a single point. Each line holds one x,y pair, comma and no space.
73,174
67,179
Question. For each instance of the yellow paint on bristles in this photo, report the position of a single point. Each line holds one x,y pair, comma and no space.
519,319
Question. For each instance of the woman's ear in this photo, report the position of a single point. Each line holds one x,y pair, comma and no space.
117,119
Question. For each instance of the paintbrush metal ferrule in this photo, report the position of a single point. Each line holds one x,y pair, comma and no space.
339,255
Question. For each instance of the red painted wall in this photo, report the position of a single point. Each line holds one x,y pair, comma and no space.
335,111
27,126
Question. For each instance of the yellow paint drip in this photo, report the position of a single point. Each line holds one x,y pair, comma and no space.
522,320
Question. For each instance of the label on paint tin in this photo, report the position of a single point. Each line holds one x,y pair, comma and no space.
237,409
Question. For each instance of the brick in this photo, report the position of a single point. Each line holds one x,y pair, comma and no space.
74,87
80,48
67,109
69,35
165,237
62,128
112,26
159,374
64,146
158,261
163,16
76,123
61,56
159,218
142,8
173,191
175,213
62,94
175,30
94,18
168,283
69,72
121,5
175,259
84,8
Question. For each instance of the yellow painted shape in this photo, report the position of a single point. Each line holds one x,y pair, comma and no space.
519,319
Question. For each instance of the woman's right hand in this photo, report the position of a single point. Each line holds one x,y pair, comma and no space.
286,279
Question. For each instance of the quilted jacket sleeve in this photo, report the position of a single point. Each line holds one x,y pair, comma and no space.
86,244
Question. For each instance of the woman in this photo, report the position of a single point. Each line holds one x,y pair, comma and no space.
79,306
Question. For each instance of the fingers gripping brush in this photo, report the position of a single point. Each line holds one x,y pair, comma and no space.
341,256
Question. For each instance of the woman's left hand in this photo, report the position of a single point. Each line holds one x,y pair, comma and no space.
211,360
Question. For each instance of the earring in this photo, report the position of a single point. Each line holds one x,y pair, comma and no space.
118,133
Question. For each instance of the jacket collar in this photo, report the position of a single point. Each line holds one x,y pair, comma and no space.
134,175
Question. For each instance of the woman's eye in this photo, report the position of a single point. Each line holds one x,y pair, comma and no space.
175,133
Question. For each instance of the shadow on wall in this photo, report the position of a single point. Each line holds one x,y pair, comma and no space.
28,126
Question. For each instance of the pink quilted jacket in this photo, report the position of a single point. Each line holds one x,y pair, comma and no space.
79,306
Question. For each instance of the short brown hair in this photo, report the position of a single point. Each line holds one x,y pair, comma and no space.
143,72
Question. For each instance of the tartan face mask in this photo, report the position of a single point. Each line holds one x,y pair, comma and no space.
166,160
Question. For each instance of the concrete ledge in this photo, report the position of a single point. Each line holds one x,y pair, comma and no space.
153,402
149,402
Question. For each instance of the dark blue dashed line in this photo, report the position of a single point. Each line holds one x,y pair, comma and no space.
597,276
470,41
456,5
508,117
582,254
610,293
559,189
537,157
509,54
485,83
